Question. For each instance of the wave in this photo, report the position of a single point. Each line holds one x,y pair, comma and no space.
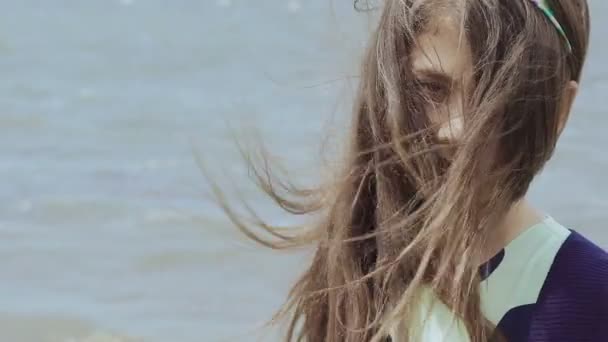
51,328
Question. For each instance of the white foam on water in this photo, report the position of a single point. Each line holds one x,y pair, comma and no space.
294,6
24,206
154,164
224,3
86,93
164,215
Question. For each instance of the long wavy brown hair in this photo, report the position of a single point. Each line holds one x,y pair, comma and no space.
398,216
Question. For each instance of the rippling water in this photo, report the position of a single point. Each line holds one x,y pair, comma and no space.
105,231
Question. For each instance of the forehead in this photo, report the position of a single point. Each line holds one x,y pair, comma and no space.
443,48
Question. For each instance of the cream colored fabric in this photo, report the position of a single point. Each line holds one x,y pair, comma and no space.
517,281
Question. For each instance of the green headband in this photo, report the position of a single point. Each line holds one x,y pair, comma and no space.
543,5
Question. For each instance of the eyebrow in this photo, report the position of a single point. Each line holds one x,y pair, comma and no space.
434,75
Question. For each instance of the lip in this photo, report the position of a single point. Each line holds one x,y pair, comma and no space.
451,130
447,150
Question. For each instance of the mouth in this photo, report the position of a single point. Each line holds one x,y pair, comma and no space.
451,130
447,151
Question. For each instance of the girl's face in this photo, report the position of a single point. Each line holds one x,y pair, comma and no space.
442,65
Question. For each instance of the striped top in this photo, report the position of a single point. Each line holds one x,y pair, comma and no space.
548,285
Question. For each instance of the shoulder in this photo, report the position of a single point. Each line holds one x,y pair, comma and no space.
580,266
573,303
579,274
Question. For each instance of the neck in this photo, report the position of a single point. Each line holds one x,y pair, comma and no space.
520,217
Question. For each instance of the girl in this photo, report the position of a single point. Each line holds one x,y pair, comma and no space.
425,234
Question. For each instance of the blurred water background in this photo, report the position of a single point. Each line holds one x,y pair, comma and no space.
105,231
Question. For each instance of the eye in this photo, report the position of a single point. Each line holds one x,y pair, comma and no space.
434,90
